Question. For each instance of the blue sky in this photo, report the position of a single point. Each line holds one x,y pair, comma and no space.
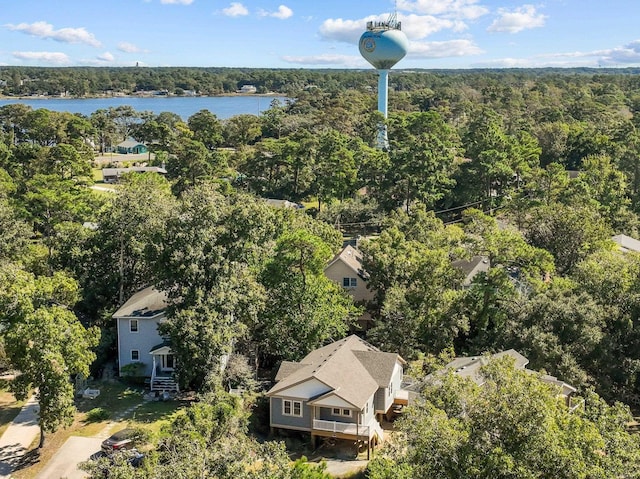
317,33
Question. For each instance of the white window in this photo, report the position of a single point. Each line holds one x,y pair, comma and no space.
336,411
291,408
349,282
135,355
133,325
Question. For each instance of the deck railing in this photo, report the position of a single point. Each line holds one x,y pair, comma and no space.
349,428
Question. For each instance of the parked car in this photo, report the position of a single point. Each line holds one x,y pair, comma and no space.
120,441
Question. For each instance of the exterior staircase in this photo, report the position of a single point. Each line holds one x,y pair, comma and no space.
164,383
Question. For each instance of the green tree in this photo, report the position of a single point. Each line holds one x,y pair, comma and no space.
569,233
206,128
513,425
242,130
209,440
335,168
304,309
128,224
48,345
423,154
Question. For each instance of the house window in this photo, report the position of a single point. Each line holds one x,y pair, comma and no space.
336,411
349,282
291,408
133,325
135,355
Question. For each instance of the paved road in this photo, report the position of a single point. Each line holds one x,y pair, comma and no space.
18,437
64,463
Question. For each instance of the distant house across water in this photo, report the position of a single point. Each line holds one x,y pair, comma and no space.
247,89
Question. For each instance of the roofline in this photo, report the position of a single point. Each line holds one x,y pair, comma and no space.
338,257
139,317
333,392
269,393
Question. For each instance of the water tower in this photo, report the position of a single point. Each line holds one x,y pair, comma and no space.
383,45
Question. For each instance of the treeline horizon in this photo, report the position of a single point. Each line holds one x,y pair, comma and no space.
81,81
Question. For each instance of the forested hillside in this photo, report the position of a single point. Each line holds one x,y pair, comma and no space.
533,170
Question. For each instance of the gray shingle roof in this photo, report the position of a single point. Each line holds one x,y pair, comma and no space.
470,366
627,243
471,267
351,368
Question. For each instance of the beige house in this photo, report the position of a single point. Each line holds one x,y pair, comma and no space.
341,390
346,270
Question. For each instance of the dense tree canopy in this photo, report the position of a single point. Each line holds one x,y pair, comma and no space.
530,171
513,425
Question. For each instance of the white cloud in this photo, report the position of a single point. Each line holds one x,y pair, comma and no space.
421,26
522,18
458,9
282,13
176,2
236,9
347,31
531,63
414,26
628,54
451,48
55,58
106,57
327,59
130,48
65,35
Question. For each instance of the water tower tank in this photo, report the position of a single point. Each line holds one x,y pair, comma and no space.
383,45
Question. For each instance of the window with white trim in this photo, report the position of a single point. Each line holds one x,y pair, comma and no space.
337,411
135,355
349,282
291,408
133,325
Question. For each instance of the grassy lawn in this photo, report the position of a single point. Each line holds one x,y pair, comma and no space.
9,407
118,400
97,175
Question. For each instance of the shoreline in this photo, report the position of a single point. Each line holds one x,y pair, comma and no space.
106,97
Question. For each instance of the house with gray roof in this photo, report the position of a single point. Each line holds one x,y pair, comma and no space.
626,243
471,267
341,390
131,146
140,343
469,367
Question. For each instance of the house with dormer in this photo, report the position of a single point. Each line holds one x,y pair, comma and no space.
342,390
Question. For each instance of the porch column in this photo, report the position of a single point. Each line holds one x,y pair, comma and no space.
153,370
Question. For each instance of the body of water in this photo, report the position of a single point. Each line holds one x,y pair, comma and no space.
222,106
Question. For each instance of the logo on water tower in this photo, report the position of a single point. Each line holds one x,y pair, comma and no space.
369,44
